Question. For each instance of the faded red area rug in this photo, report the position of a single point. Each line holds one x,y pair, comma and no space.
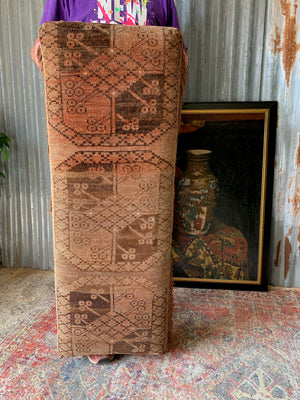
227,345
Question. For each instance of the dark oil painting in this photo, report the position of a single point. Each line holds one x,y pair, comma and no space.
223,200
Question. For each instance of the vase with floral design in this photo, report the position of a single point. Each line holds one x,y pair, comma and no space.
197,191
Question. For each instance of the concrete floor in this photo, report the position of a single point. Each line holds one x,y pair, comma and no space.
21,289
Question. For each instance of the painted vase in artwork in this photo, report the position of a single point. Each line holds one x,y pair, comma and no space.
197,192
204,247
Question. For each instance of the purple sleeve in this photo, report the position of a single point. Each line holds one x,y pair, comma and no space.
53,11
162,13
173,17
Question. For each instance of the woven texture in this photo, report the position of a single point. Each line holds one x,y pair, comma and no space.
230,345
113,103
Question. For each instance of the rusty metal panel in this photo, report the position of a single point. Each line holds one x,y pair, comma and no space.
239,51
280,81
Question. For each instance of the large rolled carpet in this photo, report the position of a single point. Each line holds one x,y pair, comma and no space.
113,102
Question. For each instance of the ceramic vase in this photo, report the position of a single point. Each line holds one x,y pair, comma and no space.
197,192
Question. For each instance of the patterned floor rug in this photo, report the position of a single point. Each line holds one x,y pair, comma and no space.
227,345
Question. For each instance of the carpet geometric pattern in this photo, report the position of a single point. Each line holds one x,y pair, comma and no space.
227,345
113,100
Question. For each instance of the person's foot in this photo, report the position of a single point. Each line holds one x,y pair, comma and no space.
99,359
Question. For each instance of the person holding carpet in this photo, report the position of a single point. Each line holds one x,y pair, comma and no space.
123,12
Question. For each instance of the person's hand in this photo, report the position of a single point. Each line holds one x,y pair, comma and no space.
36,54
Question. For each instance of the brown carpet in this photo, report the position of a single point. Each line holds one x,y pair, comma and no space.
113,100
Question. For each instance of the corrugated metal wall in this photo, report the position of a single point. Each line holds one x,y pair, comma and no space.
240,50
281,81
26,237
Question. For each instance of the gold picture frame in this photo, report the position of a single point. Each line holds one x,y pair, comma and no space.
232,251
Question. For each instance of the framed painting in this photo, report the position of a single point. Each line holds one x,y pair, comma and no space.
223,199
